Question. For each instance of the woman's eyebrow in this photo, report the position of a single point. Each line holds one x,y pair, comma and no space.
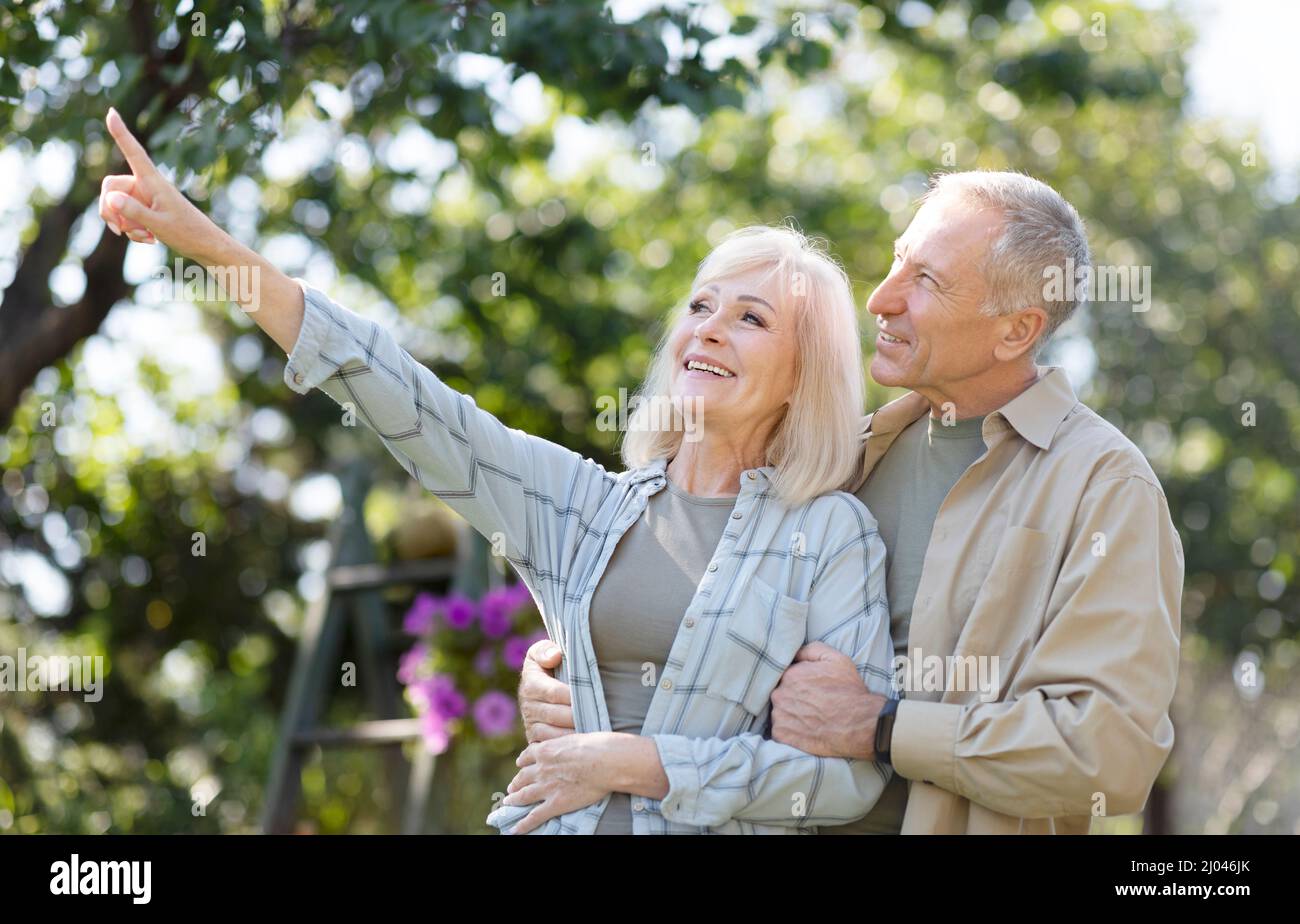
756,299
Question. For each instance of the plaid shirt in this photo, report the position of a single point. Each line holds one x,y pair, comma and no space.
780,577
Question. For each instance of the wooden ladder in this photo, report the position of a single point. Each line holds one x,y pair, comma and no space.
354,594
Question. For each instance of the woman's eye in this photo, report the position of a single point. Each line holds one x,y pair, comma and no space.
753,318
697,306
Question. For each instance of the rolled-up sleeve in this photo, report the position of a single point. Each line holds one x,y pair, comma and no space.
1086,723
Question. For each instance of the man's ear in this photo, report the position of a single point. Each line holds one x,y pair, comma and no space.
1020,331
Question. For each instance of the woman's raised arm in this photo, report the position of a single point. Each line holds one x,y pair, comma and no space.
533,499
147,207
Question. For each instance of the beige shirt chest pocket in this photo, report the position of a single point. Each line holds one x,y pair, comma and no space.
762,635
1007,614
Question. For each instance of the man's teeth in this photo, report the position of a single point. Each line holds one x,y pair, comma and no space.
716,370
888,339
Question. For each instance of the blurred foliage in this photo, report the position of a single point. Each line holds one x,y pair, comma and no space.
384,151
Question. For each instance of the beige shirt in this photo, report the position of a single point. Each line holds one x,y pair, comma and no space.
1055,569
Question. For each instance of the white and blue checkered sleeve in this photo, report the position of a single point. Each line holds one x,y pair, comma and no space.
755,779
531,495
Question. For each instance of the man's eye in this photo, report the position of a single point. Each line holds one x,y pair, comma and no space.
696,306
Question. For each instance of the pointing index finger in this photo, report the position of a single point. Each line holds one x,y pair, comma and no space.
134,152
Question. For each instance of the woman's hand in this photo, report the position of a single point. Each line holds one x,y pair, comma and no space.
562,774
147,208
577,770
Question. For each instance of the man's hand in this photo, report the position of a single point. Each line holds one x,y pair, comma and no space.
821,705
544,702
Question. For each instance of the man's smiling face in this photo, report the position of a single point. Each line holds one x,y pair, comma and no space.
932,335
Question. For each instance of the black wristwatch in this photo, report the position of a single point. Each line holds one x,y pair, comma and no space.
885,730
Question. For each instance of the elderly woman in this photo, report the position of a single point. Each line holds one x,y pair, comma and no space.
679,589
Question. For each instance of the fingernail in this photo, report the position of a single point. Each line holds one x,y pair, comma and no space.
552,651
112,226
115,199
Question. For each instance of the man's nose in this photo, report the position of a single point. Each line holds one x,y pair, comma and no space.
888,298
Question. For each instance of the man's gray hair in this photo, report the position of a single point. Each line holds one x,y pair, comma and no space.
1042,231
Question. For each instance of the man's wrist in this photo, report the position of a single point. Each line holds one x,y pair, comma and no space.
883,733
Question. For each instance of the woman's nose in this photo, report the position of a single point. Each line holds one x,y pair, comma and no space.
710,329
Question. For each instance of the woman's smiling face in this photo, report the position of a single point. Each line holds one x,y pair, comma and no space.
735,352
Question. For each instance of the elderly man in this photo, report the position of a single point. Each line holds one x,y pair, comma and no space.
1034,574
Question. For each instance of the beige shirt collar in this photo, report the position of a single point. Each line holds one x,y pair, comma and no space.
1035,413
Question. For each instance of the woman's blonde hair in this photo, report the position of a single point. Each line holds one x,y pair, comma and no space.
816,446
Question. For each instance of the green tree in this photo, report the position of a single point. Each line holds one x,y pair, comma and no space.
527,252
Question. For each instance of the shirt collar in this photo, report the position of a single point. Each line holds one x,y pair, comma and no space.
1035,413
657,468
648,472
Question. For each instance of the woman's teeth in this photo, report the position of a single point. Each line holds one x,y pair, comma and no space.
888,339
716,370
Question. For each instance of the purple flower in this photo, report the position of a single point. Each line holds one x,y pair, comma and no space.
514,650
458,610
419,618
495,611
485,662
494,714
409,666
439,694
520,595
446,699
433,728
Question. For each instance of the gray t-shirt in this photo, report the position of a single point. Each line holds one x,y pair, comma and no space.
637,607
904,492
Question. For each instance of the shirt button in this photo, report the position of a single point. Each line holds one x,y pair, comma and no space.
638,806
736,515
297,378
752,476
690,622
667,684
